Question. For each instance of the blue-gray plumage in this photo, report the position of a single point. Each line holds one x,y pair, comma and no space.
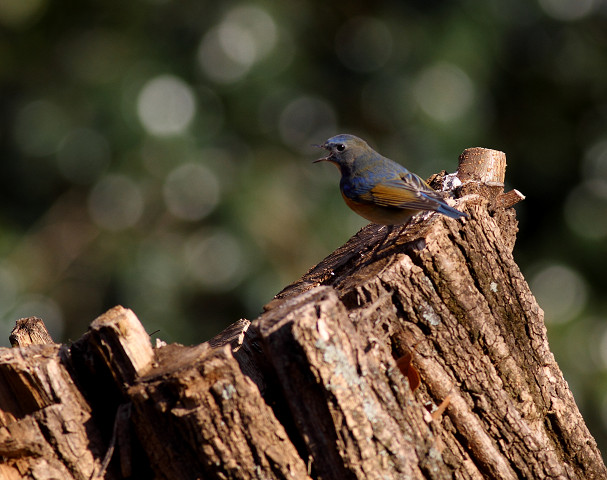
377,188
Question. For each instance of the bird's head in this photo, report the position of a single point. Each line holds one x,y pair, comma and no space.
343,150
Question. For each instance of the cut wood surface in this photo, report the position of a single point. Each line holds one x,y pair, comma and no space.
315,388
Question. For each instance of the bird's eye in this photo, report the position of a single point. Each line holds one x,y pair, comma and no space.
340,147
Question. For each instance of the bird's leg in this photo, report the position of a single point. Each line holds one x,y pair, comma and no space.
380,244
389,230
402,229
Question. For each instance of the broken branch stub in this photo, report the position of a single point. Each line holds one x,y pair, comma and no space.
29,331
482,165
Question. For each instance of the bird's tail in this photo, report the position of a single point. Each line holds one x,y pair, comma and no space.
450,211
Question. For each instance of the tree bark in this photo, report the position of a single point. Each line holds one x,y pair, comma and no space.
319,385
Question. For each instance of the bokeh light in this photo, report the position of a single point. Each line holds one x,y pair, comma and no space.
166,105
560,291
567,10
443,91
585,209
115,202
306,120
191,191
246,35
595,162
15,13
214,259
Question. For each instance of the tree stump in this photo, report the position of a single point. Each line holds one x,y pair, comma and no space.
415,352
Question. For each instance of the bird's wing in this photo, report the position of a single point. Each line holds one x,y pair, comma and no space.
405,191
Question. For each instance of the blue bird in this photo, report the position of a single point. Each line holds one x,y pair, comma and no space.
378,189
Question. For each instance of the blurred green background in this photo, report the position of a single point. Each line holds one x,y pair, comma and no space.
156,154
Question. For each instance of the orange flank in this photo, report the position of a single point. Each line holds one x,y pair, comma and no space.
378,214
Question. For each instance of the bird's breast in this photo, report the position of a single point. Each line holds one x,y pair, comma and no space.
355,186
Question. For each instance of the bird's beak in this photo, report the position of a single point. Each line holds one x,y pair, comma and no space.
324,159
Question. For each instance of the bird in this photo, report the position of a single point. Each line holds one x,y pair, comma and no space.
377,188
